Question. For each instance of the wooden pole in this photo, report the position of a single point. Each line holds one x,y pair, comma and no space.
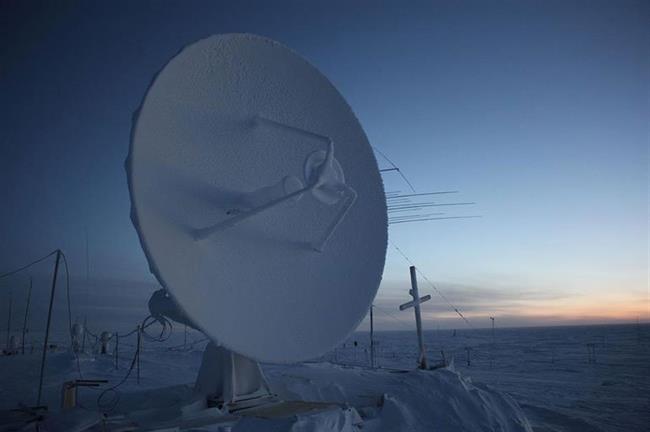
422,362
29,297
47,328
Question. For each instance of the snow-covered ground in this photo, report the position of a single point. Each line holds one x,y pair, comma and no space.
546,370
379,400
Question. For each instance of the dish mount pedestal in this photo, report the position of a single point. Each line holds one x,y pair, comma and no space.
227,378
231,379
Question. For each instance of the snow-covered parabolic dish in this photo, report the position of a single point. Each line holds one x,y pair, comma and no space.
231,123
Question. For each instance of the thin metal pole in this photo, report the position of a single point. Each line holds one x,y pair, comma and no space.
83,338
418,320
185,337
87,258
47,328
137,354
117,347
11,305
492,318
492,356
372,338
29,297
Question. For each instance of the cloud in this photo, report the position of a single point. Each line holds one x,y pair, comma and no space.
512,305
469,298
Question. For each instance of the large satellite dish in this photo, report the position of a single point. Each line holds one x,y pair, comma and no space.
257,198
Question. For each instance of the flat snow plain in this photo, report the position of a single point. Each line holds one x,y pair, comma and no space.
382,399
545,370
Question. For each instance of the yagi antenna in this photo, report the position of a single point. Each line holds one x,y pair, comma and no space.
257,198
394,168
399,207
414,216
391,222
421,194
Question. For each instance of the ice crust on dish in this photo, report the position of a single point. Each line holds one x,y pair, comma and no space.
256,288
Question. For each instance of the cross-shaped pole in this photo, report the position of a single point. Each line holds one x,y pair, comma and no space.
415,304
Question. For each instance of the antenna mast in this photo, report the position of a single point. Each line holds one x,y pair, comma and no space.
29,297
47,328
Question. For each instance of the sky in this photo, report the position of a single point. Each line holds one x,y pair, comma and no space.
537,111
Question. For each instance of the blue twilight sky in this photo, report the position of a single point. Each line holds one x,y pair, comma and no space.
536,110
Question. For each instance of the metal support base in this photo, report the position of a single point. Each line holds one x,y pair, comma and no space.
230,379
